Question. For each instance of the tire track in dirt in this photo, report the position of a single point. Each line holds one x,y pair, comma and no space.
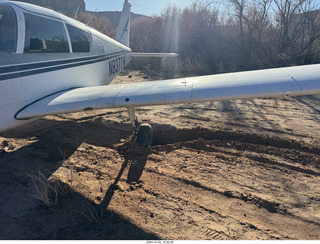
183,135
225,150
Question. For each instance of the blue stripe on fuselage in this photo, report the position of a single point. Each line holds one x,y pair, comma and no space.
22,70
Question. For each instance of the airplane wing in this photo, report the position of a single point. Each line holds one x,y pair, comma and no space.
291,81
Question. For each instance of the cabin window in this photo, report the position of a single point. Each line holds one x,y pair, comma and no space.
80,39
8,29
44,35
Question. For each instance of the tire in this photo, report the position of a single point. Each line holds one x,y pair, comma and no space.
145,135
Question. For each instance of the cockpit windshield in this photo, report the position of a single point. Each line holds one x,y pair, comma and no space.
8,29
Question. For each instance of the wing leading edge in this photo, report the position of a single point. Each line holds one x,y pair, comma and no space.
291,81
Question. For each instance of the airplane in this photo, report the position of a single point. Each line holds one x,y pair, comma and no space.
52,64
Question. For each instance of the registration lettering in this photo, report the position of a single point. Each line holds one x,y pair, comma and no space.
116,65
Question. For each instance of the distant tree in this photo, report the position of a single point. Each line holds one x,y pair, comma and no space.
147,34
259,31
100,24
298,29
201,46
256,34
239,8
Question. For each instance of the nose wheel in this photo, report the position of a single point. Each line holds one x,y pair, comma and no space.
143,132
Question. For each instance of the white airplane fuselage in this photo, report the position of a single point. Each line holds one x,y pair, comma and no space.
39,62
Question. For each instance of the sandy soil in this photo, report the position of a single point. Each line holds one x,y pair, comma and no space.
224,170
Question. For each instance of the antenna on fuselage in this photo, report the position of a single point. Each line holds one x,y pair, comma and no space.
76,14
92,17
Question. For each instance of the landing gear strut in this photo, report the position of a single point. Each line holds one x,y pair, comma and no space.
143,132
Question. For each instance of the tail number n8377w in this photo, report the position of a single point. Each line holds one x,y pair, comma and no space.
116,65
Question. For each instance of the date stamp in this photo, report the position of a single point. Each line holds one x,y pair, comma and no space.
160,242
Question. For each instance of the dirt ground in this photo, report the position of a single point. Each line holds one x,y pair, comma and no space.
224,170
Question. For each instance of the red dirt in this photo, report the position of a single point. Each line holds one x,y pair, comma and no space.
224,170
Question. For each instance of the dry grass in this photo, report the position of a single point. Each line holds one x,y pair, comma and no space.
94,216
47,190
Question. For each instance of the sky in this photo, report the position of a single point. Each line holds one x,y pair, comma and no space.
145,7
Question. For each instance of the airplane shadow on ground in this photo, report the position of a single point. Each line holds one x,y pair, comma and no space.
74,217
